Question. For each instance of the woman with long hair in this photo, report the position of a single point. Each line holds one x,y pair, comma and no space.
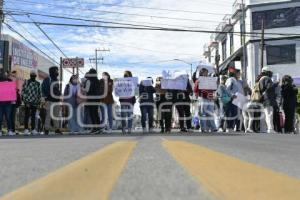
106,85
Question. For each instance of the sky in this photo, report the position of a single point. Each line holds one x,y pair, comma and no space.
145,53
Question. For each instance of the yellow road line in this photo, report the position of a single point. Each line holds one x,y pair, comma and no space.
228,178
89,178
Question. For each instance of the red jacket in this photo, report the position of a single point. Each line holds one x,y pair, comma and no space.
206,94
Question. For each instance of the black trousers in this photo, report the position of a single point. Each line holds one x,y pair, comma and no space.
184,112
94,115
166,117
289,119
30,111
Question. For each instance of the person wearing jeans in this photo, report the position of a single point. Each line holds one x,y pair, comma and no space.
127,117
127,104
5,108
206,105
146,91
107,100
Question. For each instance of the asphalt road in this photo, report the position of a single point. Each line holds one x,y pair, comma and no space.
156,169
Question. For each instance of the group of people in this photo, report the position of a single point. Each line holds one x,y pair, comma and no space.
87,104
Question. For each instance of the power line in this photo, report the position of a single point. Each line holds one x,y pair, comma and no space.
37,25
37,39
113,12
73,17
152,28
29,42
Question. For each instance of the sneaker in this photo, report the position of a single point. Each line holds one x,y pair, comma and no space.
271,131
26,132
220,130
249,131
109,131
11,133
34,132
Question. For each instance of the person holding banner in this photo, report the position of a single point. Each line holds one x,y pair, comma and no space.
183,108
146,91
206,101
164,104
8,94
127,105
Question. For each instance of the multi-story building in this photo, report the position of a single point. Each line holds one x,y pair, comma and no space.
280,20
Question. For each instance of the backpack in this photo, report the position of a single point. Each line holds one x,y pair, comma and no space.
256,95
225,98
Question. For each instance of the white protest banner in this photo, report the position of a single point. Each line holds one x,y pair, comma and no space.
179,83
147,82
125,87
208,83
240,100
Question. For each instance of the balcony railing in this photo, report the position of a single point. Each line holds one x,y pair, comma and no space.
237,9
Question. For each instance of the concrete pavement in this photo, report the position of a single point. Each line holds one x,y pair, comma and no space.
152,171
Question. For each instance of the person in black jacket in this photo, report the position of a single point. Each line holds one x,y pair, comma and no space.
184,111
93,91
164,104
52,94
289,102
146,91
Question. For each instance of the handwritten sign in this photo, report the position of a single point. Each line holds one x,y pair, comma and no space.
8,91
179,83
208,83
125,87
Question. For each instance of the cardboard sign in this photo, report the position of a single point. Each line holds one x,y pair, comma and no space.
208,83
174,84
8,91
125,87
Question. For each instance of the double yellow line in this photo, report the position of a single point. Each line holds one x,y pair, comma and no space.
90,178
224,177
228,178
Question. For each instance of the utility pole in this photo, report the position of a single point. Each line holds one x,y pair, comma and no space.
1,17
96,56
262,44
244,74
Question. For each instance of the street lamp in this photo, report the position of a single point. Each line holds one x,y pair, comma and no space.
188,63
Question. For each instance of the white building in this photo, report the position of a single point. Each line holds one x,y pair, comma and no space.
282,38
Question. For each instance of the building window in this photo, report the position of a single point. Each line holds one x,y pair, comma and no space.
278,18
231,44
224,49
281,54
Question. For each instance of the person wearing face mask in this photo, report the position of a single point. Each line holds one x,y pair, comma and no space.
70,97
31,96
106,88
51,94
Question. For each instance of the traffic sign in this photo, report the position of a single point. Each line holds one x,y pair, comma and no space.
72,62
